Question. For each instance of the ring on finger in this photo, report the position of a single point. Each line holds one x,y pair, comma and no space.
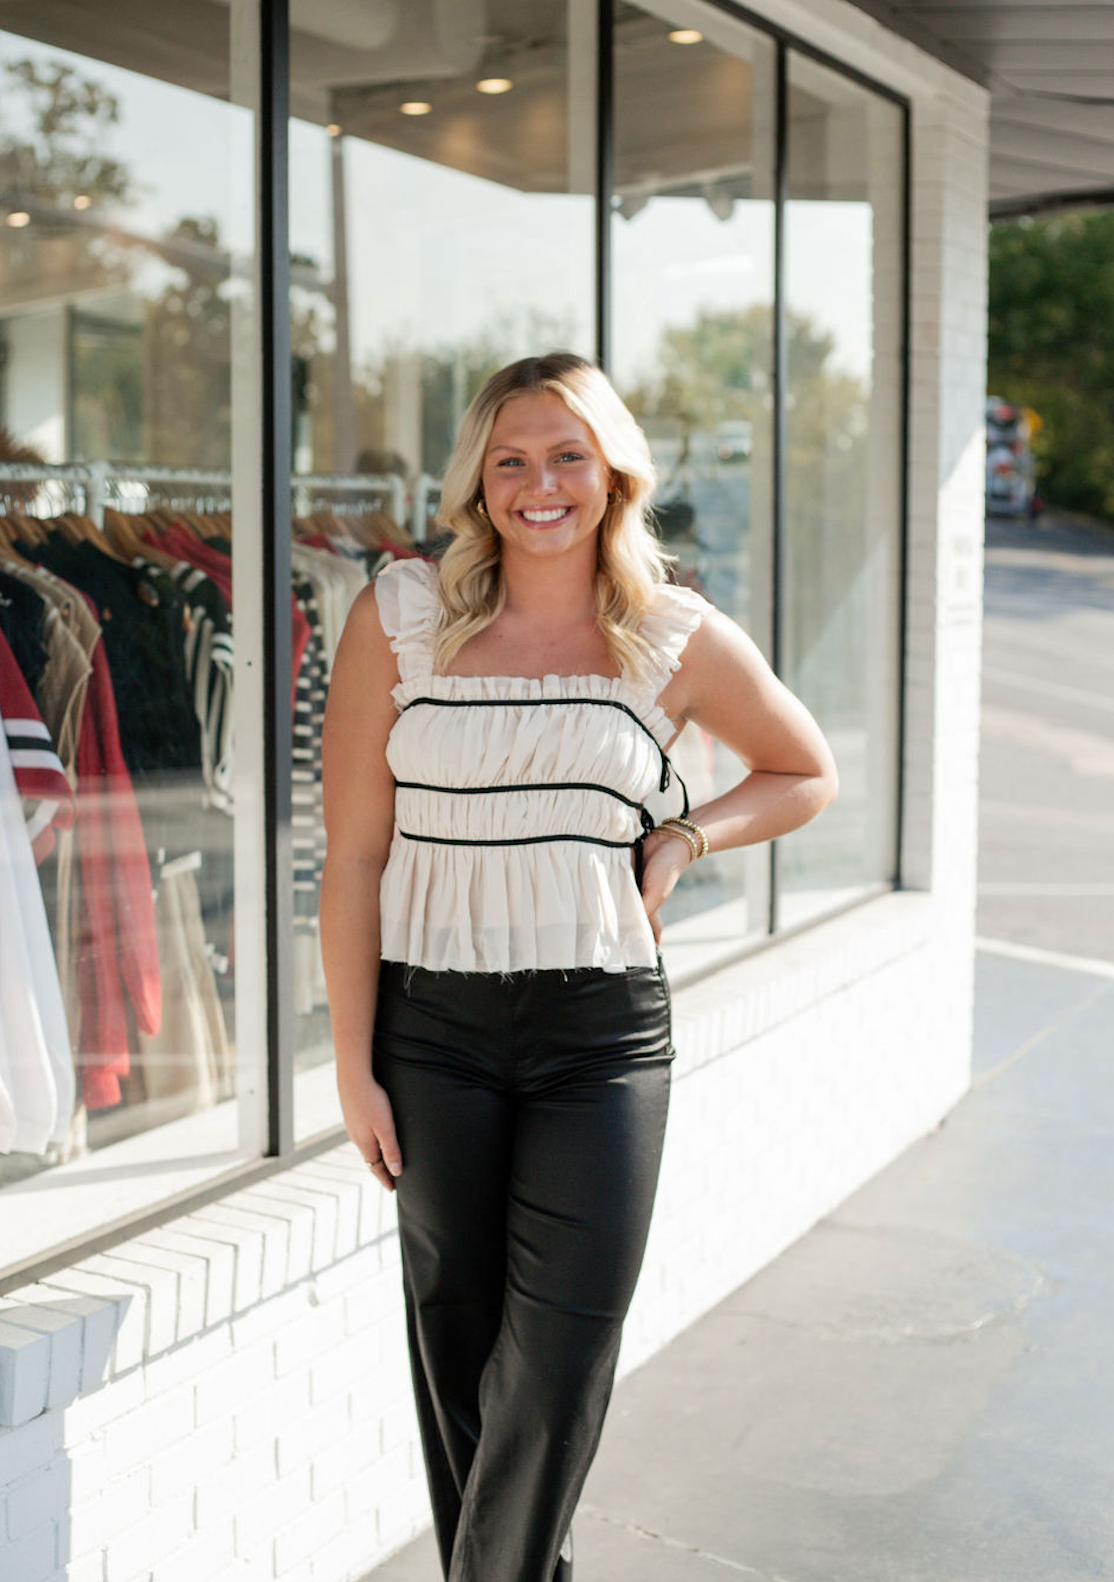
378,1160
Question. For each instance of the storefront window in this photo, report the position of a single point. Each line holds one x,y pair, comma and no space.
443,220
442,215
126,227
692,334
841,579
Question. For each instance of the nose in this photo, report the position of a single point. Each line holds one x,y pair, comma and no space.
541,476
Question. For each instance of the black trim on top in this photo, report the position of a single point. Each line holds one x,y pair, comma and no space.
605,164
668,773
644,816
278,658
541,785
520,840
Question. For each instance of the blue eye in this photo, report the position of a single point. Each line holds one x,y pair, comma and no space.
570,455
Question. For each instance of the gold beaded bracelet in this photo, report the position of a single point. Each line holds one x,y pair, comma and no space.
689,832
682,834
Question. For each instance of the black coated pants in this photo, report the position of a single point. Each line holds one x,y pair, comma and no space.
530,1110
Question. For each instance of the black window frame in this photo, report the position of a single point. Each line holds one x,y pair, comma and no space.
281,1151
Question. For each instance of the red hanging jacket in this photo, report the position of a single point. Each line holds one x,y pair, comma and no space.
39,776
116,948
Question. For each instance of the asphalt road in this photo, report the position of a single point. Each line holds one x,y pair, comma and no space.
1046,796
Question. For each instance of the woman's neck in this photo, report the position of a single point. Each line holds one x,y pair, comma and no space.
547,625
550,590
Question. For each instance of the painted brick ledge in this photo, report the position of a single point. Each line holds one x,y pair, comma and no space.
744,1000
326,1220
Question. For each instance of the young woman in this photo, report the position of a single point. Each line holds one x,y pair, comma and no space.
490,915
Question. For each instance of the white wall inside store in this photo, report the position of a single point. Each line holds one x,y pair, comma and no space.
35,381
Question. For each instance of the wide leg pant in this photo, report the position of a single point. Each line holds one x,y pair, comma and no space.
530,1109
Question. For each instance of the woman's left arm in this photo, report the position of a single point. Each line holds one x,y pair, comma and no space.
729,690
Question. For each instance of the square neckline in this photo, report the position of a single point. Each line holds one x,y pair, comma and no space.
406,593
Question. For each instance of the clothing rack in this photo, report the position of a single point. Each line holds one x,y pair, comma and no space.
90,486
139,489
60,489
349,493
427,497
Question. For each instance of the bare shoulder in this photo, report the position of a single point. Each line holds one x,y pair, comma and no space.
359,715
726,686
366,666
718,661
365,633
718,635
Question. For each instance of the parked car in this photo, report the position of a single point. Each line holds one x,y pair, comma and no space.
734,440
1011,488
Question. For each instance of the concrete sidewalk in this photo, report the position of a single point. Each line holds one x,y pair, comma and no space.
920,1389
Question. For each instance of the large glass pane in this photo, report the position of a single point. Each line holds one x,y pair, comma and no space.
841,592
442,176
692,257
126,233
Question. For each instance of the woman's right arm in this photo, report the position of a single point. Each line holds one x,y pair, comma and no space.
359,821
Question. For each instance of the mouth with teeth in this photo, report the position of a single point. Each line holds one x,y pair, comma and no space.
546,517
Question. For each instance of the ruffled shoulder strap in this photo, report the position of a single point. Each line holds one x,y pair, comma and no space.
406,596
676,614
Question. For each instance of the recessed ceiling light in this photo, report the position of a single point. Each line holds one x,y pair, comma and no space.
19,218
82,201
495,85
415,107
686,35
334,129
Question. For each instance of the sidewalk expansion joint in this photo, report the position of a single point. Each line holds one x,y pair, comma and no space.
636,1530
885,1284
1037,1038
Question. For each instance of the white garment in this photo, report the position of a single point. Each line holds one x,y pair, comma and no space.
37,1084
573,764
338,583
185,1066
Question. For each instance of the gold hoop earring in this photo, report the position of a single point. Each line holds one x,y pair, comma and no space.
481,507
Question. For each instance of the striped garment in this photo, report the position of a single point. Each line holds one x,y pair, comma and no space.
48,801
209,665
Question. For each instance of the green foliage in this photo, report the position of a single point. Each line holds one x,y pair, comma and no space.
705,371
1051,347
54,132
187,420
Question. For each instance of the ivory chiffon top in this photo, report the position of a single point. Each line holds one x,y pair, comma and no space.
518,800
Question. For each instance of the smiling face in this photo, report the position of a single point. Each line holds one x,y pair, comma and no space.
544,479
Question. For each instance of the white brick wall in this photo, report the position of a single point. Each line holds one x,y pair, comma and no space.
227,1398
947,450
252,1401
277,1438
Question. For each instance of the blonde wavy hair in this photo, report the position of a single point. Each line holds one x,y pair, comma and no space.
631,563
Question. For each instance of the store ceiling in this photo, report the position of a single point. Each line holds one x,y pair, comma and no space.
1049,66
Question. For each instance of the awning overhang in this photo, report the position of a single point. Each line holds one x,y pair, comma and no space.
1049,68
